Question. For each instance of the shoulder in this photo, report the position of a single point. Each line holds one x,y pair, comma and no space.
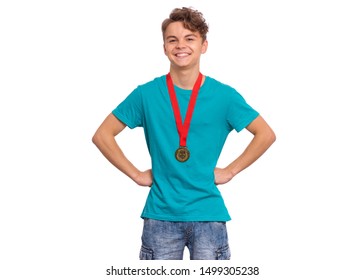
152,84
144,90
151,91
220,88
216,84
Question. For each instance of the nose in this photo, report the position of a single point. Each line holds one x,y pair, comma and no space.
180,44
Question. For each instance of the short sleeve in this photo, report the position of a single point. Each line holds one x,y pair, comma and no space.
130,110
240,113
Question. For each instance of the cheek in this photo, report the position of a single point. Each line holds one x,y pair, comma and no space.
167,50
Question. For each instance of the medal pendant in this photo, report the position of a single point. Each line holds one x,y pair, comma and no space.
182,154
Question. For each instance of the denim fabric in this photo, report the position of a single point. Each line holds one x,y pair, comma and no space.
164,240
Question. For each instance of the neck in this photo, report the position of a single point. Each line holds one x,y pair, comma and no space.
185,78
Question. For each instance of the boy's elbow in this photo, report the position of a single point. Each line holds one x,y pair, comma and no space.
271,136
96,138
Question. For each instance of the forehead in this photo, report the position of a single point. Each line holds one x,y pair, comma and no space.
178,30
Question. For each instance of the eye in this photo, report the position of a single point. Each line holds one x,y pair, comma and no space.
172,40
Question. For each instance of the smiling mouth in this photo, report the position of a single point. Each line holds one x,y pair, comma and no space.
182,54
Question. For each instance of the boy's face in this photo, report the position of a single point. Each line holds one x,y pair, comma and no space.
182,46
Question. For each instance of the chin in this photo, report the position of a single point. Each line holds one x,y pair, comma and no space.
182,63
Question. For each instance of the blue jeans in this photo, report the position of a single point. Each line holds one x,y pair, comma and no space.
163,240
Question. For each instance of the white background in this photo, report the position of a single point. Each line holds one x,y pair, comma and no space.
66,213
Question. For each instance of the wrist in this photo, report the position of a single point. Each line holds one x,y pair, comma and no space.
230,171
134,175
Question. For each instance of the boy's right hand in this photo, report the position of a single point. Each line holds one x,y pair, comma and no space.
144,178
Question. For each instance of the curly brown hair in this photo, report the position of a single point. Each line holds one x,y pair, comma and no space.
192,20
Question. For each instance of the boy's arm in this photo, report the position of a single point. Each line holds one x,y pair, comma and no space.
263,138
104,139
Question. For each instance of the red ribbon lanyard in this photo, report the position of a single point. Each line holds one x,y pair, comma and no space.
183,128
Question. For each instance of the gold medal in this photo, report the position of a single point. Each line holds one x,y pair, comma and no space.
182,154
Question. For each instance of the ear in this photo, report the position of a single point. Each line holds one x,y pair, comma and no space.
204,46
164,49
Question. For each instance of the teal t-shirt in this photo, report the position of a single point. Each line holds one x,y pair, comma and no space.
185,191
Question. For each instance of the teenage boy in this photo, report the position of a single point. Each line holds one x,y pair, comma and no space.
186,117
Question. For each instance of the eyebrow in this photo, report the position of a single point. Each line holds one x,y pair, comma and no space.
175,37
